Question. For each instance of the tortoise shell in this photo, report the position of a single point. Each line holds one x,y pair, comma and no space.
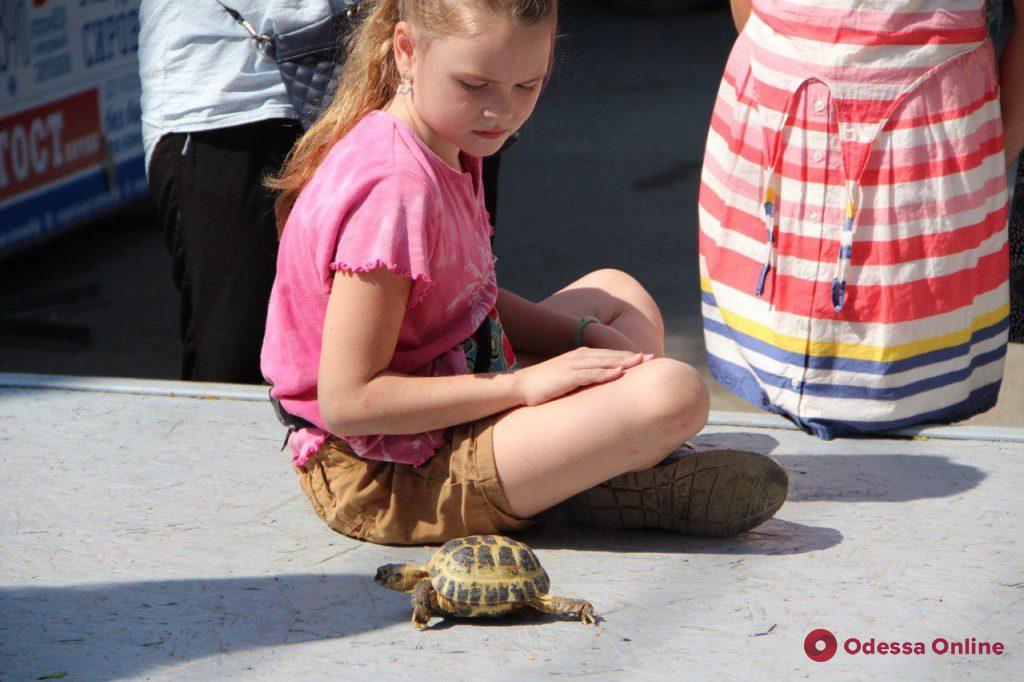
487,570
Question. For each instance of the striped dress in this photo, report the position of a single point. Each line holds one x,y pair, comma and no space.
853,212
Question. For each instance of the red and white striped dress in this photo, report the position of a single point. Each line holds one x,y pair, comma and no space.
853,210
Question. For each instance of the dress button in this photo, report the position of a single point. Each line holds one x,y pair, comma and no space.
819,105
814,216
818,156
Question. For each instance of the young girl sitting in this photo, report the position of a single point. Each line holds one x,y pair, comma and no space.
386,317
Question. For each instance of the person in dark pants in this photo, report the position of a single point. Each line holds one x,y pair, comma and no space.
218,221
216,122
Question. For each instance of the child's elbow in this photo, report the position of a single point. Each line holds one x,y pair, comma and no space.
337,424
342,411
336,412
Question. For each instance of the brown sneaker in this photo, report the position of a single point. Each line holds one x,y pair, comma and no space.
714,493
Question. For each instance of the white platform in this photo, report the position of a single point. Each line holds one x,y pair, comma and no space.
166,537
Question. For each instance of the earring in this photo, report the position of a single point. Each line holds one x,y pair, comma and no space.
404,88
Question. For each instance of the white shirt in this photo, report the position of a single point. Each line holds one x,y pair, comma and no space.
201,70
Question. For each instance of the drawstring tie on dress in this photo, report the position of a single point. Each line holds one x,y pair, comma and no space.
769,224
771,210
773,149
845,247
845,240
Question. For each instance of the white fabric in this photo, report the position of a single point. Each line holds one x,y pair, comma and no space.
200,69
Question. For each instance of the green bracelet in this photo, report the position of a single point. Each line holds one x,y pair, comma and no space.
577,337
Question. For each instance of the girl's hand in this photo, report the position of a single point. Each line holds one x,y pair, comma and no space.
565,373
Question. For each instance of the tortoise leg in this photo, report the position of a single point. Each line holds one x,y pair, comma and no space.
424,604
577,608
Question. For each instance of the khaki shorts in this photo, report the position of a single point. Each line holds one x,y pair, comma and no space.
454,493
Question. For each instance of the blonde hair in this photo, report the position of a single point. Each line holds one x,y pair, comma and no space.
370,77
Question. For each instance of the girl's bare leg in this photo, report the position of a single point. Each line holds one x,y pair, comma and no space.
548,453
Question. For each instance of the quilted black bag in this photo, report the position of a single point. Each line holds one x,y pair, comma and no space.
308,58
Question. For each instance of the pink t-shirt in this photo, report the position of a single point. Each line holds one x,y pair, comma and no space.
381,198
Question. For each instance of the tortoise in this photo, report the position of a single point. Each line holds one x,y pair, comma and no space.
479,575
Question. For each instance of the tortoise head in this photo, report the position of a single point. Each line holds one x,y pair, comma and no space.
399,577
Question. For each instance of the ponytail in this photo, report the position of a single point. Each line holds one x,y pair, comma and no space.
368,81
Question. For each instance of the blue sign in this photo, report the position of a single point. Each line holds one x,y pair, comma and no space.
70,121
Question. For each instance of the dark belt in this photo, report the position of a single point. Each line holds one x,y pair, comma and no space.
290,421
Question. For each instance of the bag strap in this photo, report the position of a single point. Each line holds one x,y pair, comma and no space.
264,43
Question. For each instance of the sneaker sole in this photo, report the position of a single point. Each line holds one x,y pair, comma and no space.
715,493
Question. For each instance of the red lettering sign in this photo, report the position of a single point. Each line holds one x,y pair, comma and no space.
51,141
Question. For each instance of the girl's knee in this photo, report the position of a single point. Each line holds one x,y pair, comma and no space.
627,289
618,283
674,402
613,278
675,398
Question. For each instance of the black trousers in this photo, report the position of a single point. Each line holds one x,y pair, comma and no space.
218,222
